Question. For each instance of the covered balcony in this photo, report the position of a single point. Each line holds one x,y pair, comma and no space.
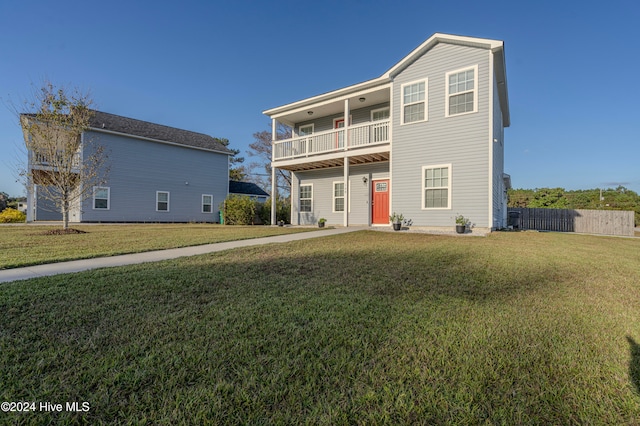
327,130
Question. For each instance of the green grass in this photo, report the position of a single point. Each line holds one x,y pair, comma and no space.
361,328
26,245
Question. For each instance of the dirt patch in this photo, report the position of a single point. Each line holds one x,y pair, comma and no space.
62,232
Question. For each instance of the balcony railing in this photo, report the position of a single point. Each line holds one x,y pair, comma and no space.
58,159
332,141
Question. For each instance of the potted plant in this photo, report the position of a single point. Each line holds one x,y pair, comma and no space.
461,224
281,223
396,219
321,222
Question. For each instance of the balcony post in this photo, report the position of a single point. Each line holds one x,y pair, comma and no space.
274,187
346,124
346,192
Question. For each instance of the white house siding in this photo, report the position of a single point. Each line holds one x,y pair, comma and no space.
139,168
322,206
461,141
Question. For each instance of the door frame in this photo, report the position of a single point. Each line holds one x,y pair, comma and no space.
373,193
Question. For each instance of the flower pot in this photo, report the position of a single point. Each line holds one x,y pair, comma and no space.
320,224
460,229
281,223
397,226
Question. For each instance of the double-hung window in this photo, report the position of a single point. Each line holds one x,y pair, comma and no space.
414,101
306,129
462,91
306,198
338,197
436,187
101,195
162,201
207,203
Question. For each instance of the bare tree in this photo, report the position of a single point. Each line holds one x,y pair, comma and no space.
261,149
63,161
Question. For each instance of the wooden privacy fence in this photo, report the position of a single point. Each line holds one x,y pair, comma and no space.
608,222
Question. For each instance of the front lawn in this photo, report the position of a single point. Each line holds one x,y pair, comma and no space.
361,328
26,245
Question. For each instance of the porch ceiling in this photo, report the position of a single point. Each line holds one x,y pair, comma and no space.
335,106
338,162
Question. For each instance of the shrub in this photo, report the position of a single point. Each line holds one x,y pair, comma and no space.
10,215
238,210
283,211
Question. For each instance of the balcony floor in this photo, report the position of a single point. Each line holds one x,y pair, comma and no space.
334,162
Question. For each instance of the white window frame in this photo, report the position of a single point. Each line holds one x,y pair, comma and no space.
448,187
474,91
334,197
373,111
425,101
300,198
93,204
168,201
305,126
203,203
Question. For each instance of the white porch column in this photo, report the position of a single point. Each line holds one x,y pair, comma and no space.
274,186
346,190
347,142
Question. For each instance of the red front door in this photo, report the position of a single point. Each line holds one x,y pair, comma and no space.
380,201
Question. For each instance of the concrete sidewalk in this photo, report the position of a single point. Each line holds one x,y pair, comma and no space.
16,274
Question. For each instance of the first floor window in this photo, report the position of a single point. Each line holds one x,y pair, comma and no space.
101,197
162,201
207,203
436,187
306,198
338,197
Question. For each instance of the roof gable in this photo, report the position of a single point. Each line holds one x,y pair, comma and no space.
111,123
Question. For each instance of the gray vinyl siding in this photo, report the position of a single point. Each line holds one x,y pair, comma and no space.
139,168
323,180
462,141
499,191
46,210
358,116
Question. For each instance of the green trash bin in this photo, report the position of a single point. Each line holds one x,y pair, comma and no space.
221,218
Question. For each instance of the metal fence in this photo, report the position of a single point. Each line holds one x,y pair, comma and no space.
607,222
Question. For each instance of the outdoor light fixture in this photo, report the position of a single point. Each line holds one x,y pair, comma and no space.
364,179
362,99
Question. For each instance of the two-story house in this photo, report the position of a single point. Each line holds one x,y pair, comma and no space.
156,174
425,139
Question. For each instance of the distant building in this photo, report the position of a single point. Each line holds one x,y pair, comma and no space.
249,189
156,174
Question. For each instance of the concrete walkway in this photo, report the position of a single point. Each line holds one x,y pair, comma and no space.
28,272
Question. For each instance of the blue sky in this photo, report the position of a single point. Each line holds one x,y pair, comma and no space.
213,67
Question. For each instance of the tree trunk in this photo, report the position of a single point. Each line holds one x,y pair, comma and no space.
65,214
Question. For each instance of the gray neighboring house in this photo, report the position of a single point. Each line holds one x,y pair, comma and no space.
156,174
249,189
425,139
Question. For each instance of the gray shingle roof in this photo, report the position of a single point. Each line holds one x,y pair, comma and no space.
130,126
247,188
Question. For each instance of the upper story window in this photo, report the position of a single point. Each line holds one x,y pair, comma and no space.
436,187
380,114
101,196
162,201
462,91
306,198
305,130
414,102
